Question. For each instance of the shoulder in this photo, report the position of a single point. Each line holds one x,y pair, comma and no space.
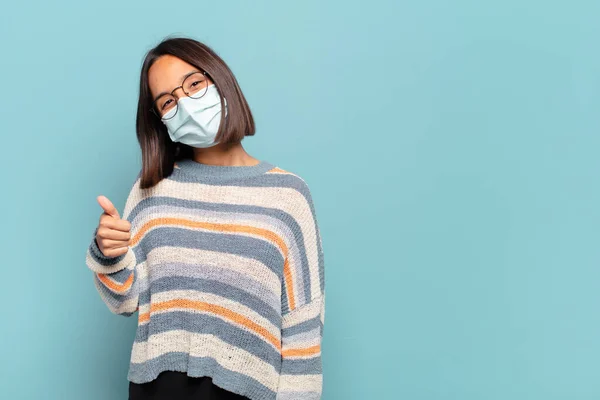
292,183
287,178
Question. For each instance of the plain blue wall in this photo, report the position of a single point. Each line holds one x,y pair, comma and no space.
452,152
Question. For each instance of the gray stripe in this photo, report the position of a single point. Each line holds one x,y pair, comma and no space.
219,288
197,367
214,273
309,366
303,326
305,336
244,246
191,171
265,180
209,324
226,214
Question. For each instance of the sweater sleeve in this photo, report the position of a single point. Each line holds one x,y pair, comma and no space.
115,277
303,304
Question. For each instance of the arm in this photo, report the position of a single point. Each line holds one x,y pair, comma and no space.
115,277
303,311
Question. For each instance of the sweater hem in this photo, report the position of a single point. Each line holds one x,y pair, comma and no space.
198,367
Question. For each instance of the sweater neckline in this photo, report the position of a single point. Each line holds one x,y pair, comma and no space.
218,173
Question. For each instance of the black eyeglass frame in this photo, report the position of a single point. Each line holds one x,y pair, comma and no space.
153,109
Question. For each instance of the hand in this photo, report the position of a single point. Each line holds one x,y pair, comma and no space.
113,234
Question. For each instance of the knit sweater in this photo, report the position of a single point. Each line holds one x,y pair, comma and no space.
225,270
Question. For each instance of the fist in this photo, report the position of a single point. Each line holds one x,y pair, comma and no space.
113,234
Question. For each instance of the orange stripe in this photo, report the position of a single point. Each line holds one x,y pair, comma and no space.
269,235
287,275
143,317
301,352
216,309
117,287
278,170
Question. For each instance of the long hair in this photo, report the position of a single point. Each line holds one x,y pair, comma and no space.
159,152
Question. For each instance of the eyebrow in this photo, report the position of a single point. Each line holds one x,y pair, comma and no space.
182,79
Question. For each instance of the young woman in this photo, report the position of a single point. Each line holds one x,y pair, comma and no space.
218,252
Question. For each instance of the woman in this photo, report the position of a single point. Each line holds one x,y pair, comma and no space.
219,252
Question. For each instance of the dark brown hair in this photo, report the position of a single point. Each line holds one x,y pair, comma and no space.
158,151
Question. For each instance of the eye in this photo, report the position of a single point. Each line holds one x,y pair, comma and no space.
166,103
194,84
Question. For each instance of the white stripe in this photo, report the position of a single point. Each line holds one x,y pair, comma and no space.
323,309
127,262
303,339
300,383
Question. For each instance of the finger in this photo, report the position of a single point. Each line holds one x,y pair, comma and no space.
113,223
113,234
108,206
113,244
110,252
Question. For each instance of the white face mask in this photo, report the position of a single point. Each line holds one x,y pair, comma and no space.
197,121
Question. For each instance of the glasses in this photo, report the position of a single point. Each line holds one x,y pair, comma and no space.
194,85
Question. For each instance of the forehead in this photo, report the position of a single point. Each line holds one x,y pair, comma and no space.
167,73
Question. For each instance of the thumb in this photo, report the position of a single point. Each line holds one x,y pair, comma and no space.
108,207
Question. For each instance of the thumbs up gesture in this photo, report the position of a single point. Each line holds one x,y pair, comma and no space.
113,234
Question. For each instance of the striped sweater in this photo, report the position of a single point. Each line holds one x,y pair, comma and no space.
225,270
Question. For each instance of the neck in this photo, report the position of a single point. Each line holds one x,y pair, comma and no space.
226,154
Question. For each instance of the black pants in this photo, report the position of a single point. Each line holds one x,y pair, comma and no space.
173,385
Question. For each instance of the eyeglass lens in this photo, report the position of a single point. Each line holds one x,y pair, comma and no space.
194,86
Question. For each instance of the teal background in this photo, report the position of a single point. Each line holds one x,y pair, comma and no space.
451,149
